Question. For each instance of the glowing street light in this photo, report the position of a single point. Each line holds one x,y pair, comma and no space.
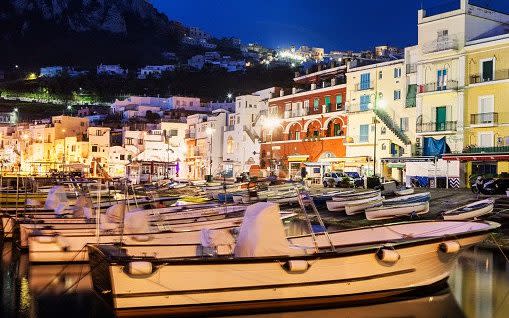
229,96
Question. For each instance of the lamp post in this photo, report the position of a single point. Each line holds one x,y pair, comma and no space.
271,123
210,131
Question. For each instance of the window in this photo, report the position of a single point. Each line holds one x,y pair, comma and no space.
339,102
337,130
365,81
486,109
122,157
363,133
190,103
98,133
273,111
306,107
229,145
232,120
238,120
128,141
365,101
145,169
397,72
441,80
403,123
94,148
316,133
316,104
485,139
411,96
397,95
327,104
380,74
487,70
140,141
174,132
297,135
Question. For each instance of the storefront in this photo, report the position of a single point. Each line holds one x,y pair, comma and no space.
485,164
295,165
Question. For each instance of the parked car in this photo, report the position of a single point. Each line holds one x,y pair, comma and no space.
337,179
358,181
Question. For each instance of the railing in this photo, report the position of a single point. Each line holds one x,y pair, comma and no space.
394,127
446,43
411,68
497,76
364,86
354,108
437,87
483,118
435,127
486,149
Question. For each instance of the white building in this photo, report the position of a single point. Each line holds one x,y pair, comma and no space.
196,62
241,141
51,71
98,147
197,33
154,71
111,70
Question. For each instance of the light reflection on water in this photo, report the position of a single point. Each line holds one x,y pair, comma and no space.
479,288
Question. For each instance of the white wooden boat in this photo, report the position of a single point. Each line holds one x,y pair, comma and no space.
409,199
337,204
346,196
264,271
406,191
358,206
388,212
470,211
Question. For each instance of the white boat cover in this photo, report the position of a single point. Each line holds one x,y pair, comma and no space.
262,233
136,222
114,213
56,196
83,207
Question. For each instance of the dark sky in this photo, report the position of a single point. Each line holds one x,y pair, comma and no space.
332,24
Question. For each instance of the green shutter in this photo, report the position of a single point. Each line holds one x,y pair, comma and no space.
411,96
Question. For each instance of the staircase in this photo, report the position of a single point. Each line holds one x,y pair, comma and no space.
251,133
389,122
260,114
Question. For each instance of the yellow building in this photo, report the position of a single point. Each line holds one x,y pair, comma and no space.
486,113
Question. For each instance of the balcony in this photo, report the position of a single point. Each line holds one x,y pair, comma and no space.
443,44
499,149
499,75
411,68
438,87
355,108
437,127
190,135
484,119
364,86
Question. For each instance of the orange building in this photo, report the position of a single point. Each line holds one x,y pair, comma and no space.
310,125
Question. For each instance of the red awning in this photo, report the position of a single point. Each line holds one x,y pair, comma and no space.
477,157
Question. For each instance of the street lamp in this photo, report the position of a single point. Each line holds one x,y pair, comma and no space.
271,123
229,96
210,131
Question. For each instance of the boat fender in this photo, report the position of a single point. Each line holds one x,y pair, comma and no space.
141,238
139,268
46,239
388,255
450,247
296,266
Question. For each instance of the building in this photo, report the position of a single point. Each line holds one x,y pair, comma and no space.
204,144
155,71
51,71
7,118
197,33
196,62
241,140
306,128
111,70
380,123
98,149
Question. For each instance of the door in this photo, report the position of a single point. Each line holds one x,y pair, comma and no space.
487,71
440,118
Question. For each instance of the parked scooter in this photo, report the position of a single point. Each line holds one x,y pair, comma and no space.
489,186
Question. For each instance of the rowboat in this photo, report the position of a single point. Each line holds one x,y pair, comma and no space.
358,206
258,271
408,199
392,211
339,203
405,191
355,195
470,211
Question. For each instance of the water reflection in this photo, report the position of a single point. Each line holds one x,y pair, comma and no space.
479,288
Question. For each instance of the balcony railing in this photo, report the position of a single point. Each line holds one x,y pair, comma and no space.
484,118
437,127
486,149
446,43
364,86
497,76
437,87
411,68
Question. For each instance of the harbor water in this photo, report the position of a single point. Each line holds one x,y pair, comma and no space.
478,288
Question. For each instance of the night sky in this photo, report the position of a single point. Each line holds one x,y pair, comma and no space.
332,24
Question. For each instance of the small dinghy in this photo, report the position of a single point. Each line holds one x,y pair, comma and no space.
404,191
359,206
409,199
338,203
389,212
470,211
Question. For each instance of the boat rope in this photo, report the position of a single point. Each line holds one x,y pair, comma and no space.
499,247
64,268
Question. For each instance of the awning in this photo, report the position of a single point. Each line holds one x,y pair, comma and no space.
399,165
477,157
298,158
360,159
408,159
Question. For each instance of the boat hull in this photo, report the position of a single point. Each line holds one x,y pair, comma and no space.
184,286
389,212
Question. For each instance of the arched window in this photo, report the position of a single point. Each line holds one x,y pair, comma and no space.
229,145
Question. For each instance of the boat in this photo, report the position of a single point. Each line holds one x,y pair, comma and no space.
358,206
404,191
392,211
258,271
408,199
470,211
339,203
355,195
